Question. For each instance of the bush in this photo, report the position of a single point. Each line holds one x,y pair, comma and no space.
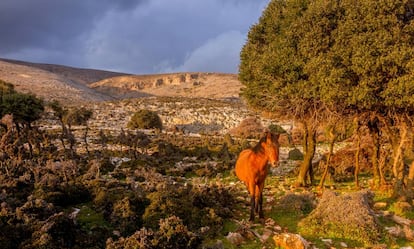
250,127
172,234
145,119
197,206
347,216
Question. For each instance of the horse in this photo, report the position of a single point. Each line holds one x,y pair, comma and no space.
252,169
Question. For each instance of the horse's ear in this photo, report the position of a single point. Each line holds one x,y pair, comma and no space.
277,135
268,135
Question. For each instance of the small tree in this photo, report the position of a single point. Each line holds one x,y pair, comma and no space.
145,119
78,116
60,112
26,108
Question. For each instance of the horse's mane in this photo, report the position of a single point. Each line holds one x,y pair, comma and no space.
258,148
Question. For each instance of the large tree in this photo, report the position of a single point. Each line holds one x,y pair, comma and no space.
305,59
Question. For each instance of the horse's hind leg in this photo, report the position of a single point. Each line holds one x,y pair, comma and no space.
259,195
257,200
260,211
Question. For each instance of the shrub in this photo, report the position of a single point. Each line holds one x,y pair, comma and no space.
346,216
172,234
145,119
250,127
197,206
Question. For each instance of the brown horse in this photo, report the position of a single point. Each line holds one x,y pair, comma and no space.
252,169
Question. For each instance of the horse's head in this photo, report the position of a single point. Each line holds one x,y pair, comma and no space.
272,148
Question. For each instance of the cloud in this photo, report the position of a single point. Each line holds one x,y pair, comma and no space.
51,26
135,36
220,54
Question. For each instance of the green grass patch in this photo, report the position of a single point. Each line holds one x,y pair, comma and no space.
89,219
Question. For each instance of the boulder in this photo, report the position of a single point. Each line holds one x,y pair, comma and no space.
235,238
290,241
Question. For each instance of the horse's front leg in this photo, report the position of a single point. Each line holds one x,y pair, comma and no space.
251,187
252,207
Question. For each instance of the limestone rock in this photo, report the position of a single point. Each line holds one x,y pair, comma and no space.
235,238
290,241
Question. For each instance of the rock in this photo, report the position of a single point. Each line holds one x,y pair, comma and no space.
343,244
395,231
408,233
290,241
380,205
327,242
235,238
217,245
266,234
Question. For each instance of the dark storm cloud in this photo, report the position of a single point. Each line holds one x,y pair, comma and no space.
130,36
54,23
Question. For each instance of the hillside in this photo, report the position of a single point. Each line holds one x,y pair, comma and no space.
65,84
76,85
205,85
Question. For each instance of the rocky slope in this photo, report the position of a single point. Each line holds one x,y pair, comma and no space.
191,102
67,85
198,85
76,85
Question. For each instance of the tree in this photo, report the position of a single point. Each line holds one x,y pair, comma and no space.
145,119
26,108
78,116
306,59
60,112
23,110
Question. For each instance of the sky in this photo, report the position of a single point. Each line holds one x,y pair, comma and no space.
129,36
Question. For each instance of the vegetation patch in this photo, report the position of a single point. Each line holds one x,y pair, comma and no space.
346,216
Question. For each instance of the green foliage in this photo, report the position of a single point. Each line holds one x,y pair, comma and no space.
60,112
201,206
346,216
76,116
6,88
342,55
121,206
295,154
277,129
88,218
25,108
172,234
145,119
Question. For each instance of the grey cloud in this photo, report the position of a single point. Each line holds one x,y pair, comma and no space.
144,36
52,24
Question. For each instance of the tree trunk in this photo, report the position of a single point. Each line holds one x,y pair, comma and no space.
398,163
309,150
332,141
410,183
357,153
85,140
374,130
